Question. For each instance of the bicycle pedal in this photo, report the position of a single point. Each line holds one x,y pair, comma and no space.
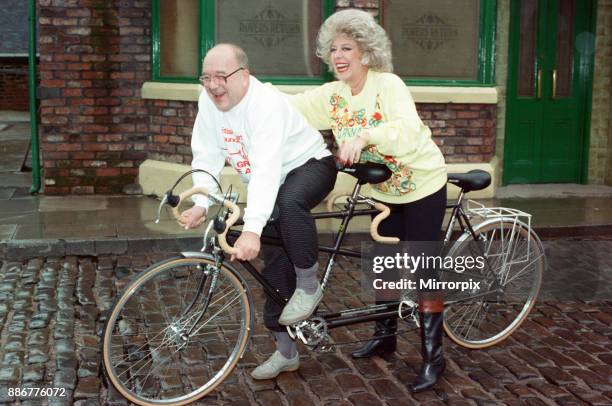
326,349
406,308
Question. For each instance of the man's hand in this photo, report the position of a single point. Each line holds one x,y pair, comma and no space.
247,246
350,151
193,217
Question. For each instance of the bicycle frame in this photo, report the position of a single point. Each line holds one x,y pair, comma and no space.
202,272
458,214
350,210
349,316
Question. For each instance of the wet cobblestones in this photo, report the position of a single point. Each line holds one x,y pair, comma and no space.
52,310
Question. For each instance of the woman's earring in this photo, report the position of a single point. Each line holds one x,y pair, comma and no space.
365,60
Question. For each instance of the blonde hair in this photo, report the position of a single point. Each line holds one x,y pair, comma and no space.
361,27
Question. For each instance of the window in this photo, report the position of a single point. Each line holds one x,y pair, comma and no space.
442,42
278,37
178,45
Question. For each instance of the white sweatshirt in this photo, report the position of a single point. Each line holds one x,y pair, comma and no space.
262,137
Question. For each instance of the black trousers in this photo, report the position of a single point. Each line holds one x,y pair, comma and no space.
416,221
303,189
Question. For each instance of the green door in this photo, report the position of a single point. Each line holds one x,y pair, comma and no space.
549,80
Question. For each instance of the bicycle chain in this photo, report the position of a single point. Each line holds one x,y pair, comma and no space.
410,316
336,344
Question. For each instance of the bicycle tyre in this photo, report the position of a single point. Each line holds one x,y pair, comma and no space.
144,350
464,321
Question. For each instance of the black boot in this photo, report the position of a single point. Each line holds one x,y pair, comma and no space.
431,350
376,345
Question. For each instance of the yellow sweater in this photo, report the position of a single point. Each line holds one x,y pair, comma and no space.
398,137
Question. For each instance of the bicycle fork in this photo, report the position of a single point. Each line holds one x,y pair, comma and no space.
210,270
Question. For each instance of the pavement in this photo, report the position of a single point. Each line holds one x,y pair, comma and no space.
52,308
63,260
77,225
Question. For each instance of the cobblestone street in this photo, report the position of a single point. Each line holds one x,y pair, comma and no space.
51,311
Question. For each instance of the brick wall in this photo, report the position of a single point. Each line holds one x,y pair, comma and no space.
600,148
94,57
371,6
170,131
501,78
14,84
464,132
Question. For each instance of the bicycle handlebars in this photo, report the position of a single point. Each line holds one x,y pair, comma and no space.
234,216
384,213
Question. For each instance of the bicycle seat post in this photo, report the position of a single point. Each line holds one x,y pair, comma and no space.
460,197
356,191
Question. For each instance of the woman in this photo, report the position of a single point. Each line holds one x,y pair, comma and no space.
374,119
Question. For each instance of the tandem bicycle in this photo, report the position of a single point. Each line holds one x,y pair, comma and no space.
181,326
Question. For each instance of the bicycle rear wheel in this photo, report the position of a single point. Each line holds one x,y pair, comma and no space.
510,281
177,331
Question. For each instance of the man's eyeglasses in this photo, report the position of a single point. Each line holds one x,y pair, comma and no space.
205,80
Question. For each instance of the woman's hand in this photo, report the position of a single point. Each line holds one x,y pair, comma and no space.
350,151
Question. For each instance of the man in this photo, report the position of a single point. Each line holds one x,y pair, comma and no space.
285,162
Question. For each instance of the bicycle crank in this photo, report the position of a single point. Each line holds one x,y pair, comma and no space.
311,332
410,308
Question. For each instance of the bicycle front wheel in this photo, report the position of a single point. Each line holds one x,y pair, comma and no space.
177,331
510,280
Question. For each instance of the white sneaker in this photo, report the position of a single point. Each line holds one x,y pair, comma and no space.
276,364
300,306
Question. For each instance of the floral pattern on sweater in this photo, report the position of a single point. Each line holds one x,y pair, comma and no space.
347,124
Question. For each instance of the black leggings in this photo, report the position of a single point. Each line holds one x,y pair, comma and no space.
303,189
416,221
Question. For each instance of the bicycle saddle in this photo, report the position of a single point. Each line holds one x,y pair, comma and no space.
476,179
368,172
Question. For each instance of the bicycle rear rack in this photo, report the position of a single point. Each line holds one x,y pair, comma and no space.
510,220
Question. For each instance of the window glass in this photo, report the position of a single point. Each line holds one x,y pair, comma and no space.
179,37
527,54
565,48
278,36
436,39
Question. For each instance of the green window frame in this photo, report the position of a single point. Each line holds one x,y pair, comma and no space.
207,28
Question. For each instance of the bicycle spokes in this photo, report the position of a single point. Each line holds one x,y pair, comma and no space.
177,332
510,282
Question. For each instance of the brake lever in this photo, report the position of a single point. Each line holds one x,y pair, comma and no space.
205,238
169,198
161,205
